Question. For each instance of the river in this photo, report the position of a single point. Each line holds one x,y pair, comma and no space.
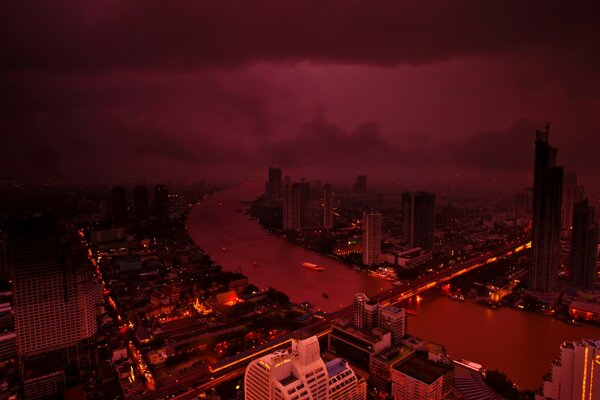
518,343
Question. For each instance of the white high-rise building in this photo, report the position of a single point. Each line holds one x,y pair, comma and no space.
576,372
371,251
301,374
394,320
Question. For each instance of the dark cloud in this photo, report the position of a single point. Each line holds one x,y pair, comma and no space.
70,35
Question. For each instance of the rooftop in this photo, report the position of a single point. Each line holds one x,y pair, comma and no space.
336,366
421,368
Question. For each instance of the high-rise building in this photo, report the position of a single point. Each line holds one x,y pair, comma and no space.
365,311
418,219
327,207
371,251
584,246
274,186
576,375
304,188
360,186
161,202
140,202
291,208
55,291
419,377
301,374
394,320
547,199
118,204
572,193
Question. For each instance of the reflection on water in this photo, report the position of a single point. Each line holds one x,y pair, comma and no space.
520,344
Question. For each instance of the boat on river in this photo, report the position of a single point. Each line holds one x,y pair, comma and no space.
312,266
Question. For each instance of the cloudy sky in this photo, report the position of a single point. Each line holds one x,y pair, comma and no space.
415,92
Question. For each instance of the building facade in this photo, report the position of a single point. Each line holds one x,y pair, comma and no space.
291,208
418,219
547,199
584,246
371,250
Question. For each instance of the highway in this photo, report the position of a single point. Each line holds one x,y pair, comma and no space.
206,379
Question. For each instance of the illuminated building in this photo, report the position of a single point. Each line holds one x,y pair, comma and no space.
547,198
301,374
140,202
118,204
360,186
575,373
274,186
584,246
55,293
291,208
418,219
419,377
161,202
394,320
327,207
371,248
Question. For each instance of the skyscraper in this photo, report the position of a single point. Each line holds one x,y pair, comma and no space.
291,208
371,249
360,186
584,246
118,203
577,374
161,202
418,219
327,207
365,311
572,193
547,198
301,374
140,202
274,186
55,291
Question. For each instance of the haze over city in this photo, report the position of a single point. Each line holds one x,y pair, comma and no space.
286,200
405,91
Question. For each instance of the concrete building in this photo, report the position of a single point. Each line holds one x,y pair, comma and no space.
576,372
417,377
371,238
327,207
418,219
274,186
547,199
301,374
291,208
584,246
394,320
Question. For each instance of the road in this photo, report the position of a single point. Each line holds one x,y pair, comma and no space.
184,387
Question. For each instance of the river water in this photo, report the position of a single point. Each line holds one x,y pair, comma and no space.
518,343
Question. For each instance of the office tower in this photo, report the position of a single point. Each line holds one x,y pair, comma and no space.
572,193
291,208
418,218
576,375
327,207
419,377
394,320
301,374
140,202
365,311
304,188
449,216
274,186
161,202
547,198
360,186
584,246
119,204
55,291
371,251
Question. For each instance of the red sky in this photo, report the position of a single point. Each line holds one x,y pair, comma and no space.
414,92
